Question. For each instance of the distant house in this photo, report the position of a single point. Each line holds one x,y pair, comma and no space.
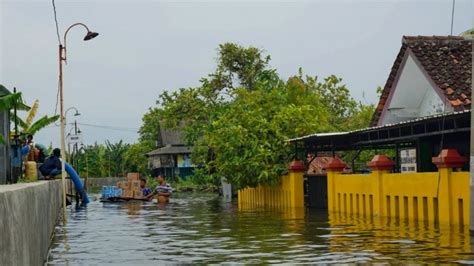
430,75
172,158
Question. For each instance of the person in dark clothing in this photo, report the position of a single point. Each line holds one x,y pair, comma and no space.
52,165
43,152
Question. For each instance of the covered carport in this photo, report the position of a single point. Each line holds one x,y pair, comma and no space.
426,137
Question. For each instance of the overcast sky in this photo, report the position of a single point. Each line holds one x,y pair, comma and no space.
146,47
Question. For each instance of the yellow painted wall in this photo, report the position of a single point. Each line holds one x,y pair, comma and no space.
289,193
433,198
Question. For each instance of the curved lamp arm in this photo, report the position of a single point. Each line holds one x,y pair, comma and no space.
89,35
68,109
71,108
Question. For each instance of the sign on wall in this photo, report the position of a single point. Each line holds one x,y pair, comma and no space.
184,160
408,160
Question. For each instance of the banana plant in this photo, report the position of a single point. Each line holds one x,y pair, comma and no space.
28,126
10,101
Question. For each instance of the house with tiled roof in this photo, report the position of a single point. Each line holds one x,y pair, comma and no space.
172,158
430,75
425,107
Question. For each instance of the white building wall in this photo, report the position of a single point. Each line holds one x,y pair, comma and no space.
431,104
413,97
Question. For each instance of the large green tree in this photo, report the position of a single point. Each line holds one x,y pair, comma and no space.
240,117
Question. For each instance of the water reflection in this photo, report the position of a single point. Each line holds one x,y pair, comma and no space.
197,228
400,241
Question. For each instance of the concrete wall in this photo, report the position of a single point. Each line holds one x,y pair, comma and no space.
28,214
103,181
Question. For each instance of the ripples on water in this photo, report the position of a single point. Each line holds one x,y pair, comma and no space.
197,228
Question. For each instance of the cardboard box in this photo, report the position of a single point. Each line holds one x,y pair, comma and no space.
127,194
124,185
135,185
138,195
133,176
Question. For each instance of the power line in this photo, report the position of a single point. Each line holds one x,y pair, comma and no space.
452,17
56,22
59,42
57,101
127,129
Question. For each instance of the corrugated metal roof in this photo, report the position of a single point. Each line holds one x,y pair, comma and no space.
319,135
380,127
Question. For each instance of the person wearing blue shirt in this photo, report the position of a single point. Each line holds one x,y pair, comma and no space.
145,190
163,190
52,165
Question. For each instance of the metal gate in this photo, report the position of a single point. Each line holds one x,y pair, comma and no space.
316,191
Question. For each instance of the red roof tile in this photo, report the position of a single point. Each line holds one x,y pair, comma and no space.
447,61
317,165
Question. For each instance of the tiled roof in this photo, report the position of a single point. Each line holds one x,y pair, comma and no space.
168,150
171,136
447,60
317,165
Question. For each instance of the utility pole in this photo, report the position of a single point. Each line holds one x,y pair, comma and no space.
63,57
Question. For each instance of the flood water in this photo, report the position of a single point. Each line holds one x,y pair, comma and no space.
202,228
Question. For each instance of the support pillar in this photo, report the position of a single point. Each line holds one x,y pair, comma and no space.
446,161
380,165
296,171
334,167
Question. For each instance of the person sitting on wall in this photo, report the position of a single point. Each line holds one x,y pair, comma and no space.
52,165
145,190
43,152
163,190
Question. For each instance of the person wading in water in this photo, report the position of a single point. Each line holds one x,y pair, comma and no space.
163,190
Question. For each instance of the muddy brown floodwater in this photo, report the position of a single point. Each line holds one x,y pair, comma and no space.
202,228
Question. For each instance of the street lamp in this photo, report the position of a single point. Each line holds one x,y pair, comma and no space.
72,155
83,151
75,114
72,108
63,57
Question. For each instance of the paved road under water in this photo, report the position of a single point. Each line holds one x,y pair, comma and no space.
199,228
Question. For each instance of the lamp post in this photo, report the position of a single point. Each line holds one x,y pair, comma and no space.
75,140
75,129
63,57
83,151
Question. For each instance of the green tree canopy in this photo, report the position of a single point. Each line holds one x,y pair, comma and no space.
240,117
